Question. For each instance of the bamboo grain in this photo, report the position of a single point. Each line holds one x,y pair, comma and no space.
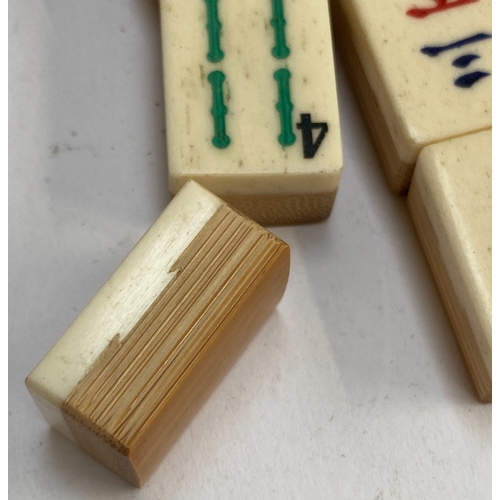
279,209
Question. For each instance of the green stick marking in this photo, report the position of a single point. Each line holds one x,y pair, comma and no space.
280,49
285,107
215,53
220,140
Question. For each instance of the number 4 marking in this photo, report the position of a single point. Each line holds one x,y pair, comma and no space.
306,125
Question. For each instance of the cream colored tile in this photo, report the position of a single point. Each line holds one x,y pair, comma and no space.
450,202
260,149
429,68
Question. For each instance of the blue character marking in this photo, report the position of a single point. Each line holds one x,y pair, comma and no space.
469,79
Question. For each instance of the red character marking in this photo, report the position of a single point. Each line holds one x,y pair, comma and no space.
420,12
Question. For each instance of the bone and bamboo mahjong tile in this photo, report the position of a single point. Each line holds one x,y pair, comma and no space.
138,362
251,105
421,70
450,204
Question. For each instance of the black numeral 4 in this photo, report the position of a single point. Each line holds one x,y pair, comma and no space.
309,146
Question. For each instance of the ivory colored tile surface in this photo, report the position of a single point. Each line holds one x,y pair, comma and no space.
125,378
450,202
428,68
251,104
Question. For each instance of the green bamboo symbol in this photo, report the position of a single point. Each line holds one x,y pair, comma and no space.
215,53
285,107
280,50
220,139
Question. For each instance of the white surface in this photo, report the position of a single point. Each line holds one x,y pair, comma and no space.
354,389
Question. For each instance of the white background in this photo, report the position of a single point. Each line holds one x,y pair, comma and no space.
354,389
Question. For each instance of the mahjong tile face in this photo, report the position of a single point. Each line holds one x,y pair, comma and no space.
251,105
429,65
